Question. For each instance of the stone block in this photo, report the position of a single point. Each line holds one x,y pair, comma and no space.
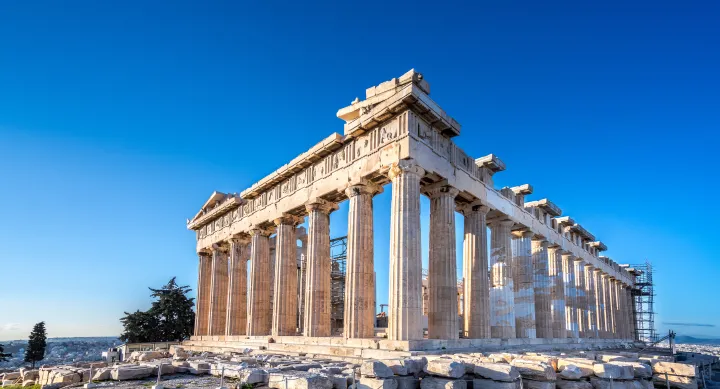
28,383
603,383
676,381
532,384
445,368
442,383
375,369
481,383
397,366
408,382
534,370
497,372
550,360
567,384
338,381
301,380
28,374
376,383
611,370
640,370
253,376
584,364
674,368
102,374
130,372
572,372
198,367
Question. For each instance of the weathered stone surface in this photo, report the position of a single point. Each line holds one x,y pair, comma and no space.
28,374
254,376
497,371
130,372
58,376
102,374
584,364
676,381
572,372
640,370
375,383
28,383
566,384
532,384
442,383
550,360
480,383
602,383
301,380
375,369
415,365
407,382
11,376
198,367
611,370
445,368
397,366
680,369
534,370
338,381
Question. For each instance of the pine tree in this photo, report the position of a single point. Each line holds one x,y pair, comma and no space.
36,345
3,356
171,317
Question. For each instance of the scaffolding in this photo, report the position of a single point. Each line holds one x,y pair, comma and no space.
644,295
338,257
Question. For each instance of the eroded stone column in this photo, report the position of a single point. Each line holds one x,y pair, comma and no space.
571,322
523,279
259,310
302,283
631,313
359,316
202,315
317,289
557,292
442,269
219,290
476,298
605,281
591,302
285,311
610,290
600,304
236,321
618,305
405,316
541,284
581,298
502,295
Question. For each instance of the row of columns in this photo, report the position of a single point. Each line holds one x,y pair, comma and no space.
534,289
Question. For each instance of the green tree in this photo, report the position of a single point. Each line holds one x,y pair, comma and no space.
171,317
4,356
37,343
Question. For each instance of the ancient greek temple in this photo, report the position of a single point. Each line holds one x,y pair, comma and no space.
265,282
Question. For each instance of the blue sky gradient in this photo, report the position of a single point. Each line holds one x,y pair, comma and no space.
119,119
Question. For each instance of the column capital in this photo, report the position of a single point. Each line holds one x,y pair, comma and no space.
266,232
405,166
239,239
204,252
475,206
440,189
588,264
523,232
320,205
356,188
501,222
220,246
288,219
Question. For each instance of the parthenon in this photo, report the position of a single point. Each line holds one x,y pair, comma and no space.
541,281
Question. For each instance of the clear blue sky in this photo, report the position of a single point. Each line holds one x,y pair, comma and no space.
118,119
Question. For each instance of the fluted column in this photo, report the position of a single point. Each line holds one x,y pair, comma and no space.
317,289
502,295
604,280
236,322
405,316
618,305
581,298
302,283
259,311
599,304
523,279
219,290
359,315
631,313
202,315
571,322
612,328
442,264
284,316
557,292
541,284
591,302
476,296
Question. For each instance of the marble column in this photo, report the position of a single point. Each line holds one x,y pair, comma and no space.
442,264
236,321
571,322
581,298
284,316
631,313
405,281
359,315
557,292
476,297
523,280
604,281
259,311
302,281
612,328
599,304
202,314
618,304
318,283
541,284
219,290
502,295
591,302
